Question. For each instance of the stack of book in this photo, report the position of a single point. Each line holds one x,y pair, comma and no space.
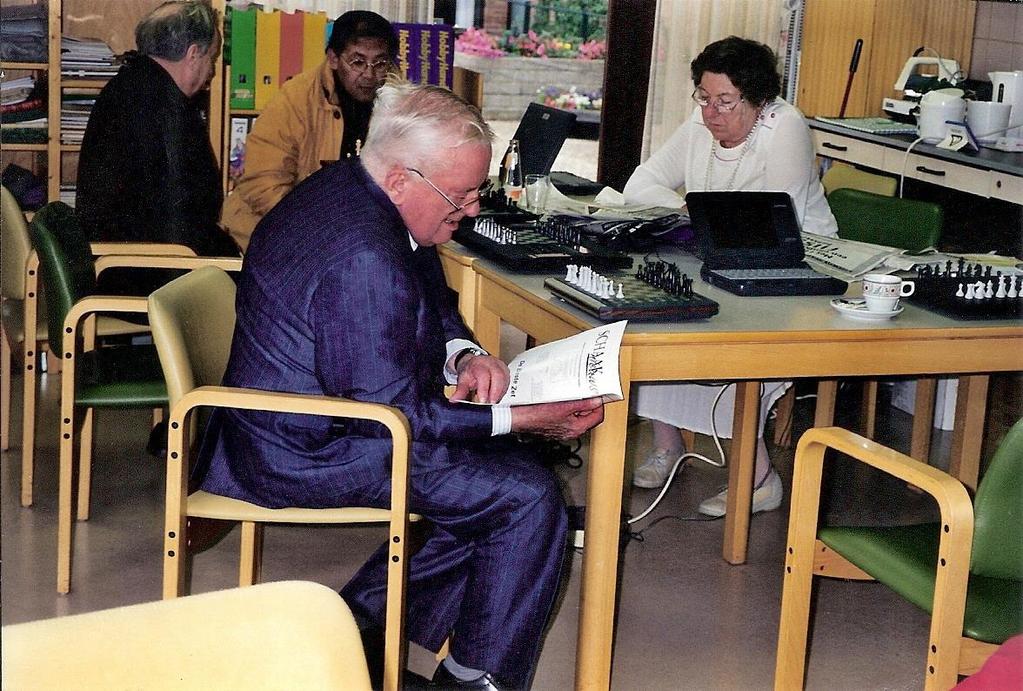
86,58
75,107
22,112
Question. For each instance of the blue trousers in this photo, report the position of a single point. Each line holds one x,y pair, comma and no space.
489,569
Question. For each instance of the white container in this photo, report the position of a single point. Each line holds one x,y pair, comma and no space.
988,120
1007,87
936,107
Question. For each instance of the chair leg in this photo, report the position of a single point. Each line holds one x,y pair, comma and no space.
251,553
688,439
53,363
28,422
85,465
868,408
5,391
157,416
65,504
973,654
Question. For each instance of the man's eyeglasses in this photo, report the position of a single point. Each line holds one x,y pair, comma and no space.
483,189
721,105
360,65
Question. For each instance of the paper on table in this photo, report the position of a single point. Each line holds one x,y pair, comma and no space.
577,367
845,259
608,204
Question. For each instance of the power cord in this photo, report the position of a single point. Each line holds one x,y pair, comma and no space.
905,163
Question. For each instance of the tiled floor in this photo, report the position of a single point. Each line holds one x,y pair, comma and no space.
687,619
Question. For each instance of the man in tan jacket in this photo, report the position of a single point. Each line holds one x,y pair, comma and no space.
317,117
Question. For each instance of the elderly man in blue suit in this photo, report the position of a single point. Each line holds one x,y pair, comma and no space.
342,293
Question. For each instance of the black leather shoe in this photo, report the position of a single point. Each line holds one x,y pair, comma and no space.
443,679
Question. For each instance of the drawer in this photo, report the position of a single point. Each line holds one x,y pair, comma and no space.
848,149
939,172
1007,187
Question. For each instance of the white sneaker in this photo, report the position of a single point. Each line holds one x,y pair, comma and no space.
766,497
654,470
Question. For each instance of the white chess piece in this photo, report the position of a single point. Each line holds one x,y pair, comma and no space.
989,291
620,294
1001,286
959,293
1012,287
969,291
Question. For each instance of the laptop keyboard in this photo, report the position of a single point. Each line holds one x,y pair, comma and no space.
754,274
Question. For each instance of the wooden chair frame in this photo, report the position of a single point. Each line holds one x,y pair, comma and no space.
949,653
180,505
80,323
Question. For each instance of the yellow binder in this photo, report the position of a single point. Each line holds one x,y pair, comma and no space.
268,56
314,41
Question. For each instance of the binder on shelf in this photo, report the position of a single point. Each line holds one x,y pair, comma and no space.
314,39
426,53
243,58
292,33
268,56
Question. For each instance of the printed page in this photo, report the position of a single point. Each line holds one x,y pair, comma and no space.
844,259
577,367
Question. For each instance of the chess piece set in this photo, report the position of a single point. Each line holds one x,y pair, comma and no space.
966,290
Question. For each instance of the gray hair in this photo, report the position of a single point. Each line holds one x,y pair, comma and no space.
171,28
413,125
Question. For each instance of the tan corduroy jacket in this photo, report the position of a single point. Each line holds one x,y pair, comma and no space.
300,128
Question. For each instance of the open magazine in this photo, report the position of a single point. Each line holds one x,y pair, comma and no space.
577,367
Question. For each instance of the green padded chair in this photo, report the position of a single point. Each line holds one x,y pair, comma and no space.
908,224
966,571
122,376
841,175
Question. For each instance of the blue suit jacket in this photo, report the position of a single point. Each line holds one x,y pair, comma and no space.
332,300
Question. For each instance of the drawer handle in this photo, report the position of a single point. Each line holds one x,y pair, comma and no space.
929,171
836,147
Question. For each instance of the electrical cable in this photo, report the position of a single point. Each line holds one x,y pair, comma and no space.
905,162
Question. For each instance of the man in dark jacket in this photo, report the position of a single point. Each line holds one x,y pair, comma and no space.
147,171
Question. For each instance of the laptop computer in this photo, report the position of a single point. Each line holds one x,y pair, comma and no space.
750,245
541,133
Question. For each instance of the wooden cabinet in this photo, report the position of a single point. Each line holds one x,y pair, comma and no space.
892,30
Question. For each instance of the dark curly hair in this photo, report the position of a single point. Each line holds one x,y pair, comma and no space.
751,66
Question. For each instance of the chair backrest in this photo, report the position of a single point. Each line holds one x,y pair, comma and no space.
68,267
998,512
16,247
192,320
908,224
840,175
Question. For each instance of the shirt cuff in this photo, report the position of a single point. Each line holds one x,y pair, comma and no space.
501,423
455,346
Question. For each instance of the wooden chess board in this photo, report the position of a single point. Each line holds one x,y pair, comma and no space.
641,301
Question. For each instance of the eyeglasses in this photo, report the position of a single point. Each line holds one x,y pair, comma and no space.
483,189
360,65
720,105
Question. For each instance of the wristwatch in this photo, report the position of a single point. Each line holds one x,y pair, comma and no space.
464,352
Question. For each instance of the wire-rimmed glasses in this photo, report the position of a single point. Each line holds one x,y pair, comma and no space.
483,189
721,105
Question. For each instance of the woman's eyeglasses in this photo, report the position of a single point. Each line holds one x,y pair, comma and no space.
483,189
721,105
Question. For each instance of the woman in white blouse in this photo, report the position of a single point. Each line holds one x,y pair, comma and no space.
743,136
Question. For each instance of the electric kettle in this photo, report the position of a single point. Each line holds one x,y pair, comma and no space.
935,108
1007,87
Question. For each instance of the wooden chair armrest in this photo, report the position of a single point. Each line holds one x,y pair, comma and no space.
144,248
165,262
103,303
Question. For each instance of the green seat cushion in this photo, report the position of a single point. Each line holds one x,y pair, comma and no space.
121,376
904,558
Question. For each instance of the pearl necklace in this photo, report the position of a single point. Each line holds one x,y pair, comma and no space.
742,154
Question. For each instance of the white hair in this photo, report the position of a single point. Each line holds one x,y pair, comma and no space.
417,126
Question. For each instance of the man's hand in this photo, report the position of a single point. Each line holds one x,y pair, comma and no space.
485,375
565,420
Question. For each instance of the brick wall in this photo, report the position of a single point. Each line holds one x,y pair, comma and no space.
495,16
509,83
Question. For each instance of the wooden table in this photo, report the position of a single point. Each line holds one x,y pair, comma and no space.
752,339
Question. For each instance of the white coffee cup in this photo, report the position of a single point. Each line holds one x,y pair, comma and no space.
987,119
882,291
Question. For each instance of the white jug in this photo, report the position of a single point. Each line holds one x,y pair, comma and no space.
935,108
1007,87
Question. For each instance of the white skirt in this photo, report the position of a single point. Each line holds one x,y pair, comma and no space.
688,406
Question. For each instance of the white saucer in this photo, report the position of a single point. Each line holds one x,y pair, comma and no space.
857,309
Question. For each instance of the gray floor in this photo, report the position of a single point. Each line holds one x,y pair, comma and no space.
687,619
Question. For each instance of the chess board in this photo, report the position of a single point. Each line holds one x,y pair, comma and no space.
641,302
521,247
966,291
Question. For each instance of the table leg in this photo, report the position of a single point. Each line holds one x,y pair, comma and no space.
604,476
742,457
968,435
923,419
487,329
824,414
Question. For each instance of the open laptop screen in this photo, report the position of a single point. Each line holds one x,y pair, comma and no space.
541,133
746,230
